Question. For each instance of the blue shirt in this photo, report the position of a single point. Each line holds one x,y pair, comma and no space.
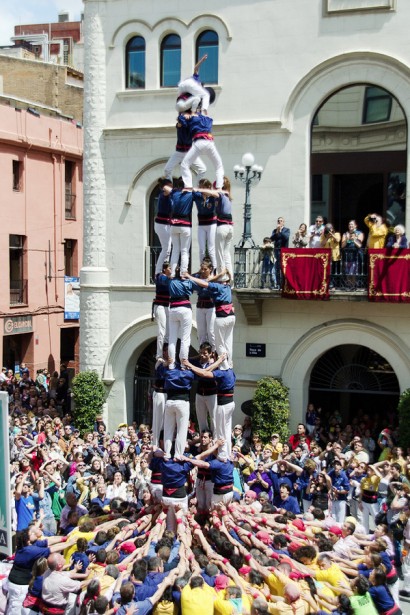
25,509
290,504
197,124
181,289
181,203
178,379
174,473
221,472
341,482
150,586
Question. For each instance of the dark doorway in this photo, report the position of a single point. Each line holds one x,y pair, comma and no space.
352,379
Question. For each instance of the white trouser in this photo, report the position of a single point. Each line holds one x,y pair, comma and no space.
223,244
171,521
202,146
180,325
161,316
206,241
224,336
394,590
197,91
181,242
205,322
369,510
158,410
222,498
203,491
15,598
223,428
176,416
176,158
205,404
339,510
164,234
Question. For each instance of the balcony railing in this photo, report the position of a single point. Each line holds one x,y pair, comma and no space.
348,275
151,257
18,292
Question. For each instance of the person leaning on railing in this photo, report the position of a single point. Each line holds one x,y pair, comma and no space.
331,239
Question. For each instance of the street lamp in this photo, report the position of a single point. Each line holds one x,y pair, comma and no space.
248,173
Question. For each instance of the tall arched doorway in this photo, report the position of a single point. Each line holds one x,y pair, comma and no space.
359,157
144,377
354,380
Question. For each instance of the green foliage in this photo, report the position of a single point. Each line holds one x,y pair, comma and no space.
89,397
272,410
404,419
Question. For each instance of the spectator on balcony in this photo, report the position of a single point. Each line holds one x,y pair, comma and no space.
301,237
267,260
352,242
315,232
399,239
280,239
377,231
331,239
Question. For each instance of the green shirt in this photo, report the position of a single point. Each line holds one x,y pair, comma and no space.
363,605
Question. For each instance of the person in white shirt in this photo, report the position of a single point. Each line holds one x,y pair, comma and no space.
315,232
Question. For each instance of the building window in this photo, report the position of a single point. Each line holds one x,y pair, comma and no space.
135,63
170,61
70,258
377,105
69,180
207,43
17,175
18,283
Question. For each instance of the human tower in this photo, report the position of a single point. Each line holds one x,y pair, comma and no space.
172,309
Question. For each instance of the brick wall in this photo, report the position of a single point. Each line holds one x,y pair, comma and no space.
44,84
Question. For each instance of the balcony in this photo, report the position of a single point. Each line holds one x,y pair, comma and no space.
374,275
18,292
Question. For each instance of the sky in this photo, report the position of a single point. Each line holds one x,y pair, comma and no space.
17,12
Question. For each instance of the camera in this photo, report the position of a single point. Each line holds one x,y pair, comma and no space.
372,218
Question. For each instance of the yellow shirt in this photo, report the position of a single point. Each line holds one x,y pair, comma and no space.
299,607
377,234
370,483
276,583
76,534
197,601
332,575
165,608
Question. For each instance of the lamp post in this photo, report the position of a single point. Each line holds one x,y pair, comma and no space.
248,173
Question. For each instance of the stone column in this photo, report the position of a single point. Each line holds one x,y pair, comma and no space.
95,304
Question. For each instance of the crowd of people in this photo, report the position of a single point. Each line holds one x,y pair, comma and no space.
348,260
109,522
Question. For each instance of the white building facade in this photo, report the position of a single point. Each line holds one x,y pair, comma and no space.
278,62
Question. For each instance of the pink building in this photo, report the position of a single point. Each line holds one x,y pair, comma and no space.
40,236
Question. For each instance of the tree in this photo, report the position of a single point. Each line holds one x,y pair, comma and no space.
89,397
403,410
272,410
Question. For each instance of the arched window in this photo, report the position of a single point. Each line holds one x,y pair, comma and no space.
170,61
207,43
135,63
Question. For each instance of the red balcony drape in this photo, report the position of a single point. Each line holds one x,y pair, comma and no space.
306,273
389,275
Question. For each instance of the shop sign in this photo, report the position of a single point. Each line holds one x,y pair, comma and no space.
18,324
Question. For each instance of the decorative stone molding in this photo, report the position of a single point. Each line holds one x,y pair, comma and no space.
332,7
251,303
211,20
